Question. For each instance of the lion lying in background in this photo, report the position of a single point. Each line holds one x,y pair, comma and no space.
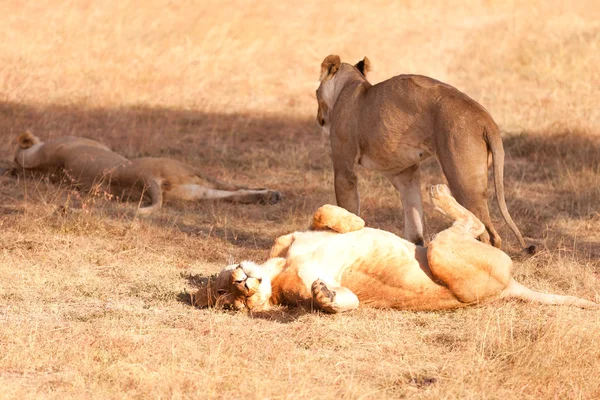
339,264
91,165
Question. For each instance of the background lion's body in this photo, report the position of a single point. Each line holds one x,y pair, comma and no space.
79,161
90,165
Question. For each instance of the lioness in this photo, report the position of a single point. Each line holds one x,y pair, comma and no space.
90,164
340,263
394,125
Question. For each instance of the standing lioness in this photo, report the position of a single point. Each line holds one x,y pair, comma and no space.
392,126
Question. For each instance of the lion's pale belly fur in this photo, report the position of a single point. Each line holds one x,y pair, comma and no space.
394,163
382,269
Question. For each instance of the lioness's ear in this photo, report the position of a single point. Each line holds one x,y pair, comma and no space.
27,139
364,66
329,66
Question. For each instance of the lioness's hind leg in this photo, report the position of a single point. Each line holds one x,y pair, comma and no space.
473,271
333,299
408,183
337,219
464,219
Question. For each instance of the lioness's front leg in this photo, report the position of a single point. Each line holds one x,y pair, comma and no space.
345,158
408,183
333,299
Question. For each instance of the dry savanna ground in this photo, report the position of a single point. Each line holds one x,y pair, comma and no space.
90,296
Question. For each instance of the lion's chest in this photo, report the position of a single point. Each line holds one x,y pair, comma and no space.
288,288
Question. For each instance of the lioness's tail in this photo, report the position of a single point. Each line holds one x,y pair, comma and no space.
337,219
515,290
494,142
27,139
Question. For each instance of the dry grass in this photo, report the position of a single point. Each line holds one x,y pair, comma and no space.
89,299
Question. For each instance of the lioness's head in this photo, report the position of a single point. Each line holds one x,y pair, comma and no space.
332,68
25,141
238,286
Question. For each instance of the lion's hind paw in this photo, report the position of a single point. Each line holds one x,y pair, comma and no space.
323,297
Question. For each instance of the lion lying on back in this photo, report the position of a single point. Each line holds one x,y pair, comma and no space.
339,264
90,164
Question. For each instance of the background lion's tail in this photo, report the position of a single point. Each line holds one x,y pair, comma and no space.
27,139
494,142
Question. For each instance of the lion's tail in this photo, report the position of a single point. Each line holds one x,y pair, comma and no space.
494,142
515,290
27,140
336,219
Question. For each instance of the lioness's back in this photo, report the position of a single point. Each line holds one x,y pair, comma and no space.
423,88
71,142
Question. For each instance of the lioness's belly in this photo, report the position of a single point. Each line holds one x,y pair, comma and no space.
401,292
394,161
382,269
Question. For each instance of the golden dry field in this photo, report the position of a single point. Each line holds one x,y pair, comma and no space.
90,298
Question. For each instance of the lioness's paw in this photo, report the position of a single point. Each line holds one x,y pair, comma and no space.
442,200
437,192
323,297
271,197
337,219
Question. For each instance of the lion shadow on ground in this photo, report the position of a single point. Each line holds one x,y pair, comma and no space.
549,154
250,149
64,203
214,140
561,169
239,234
279,314
289,154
